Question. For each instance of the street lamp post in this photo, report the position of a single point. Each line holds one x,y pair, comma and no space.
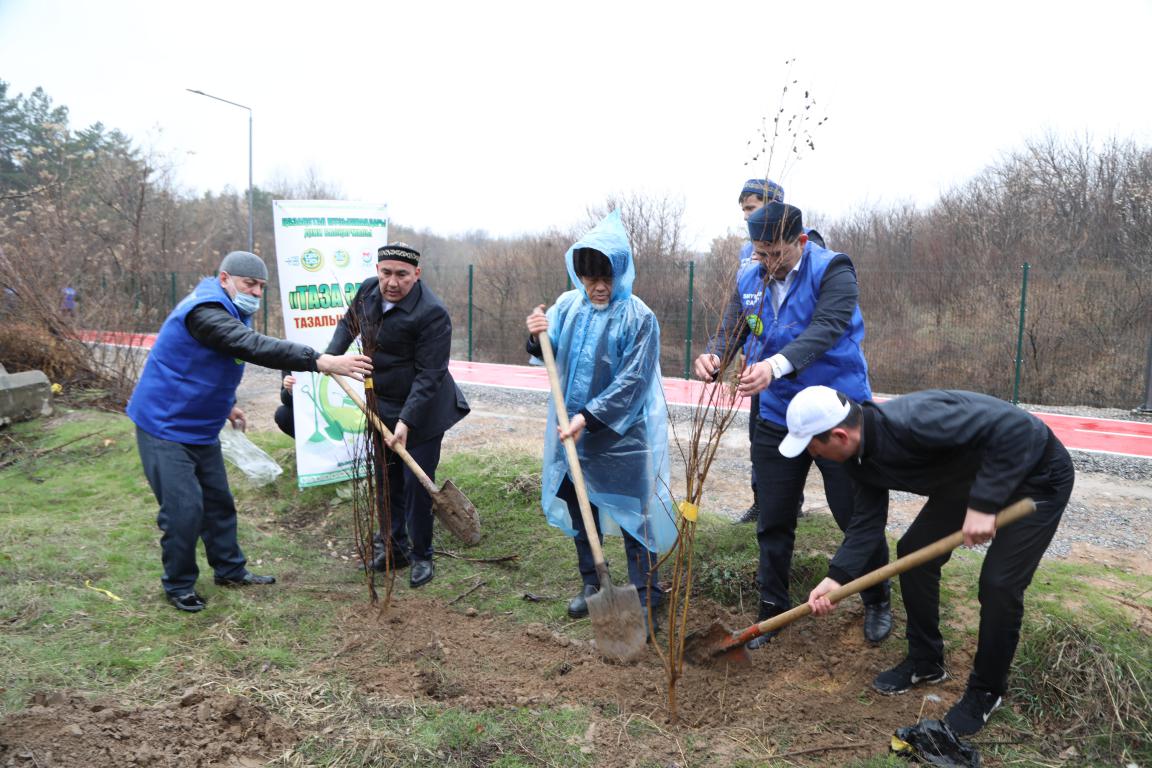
251,240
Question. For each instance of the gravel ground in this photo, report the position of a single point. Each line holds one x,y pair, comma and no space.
1108,520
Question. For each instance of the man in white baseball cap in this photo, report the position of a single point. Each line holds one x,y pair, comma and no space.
971,455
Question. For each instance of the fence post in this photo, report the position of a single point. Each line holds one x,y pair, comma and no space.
688,335
470,273
1147,407
1020,334
264,304
172,292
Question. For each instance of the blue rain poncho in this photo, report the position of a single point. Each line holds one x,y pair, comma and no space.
609,364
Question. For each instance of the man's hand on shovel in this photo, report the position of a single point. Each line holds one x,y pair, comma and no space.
821,605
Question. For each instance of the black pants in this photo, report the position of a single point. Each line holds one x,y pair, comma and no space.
641,562
285,420
1008,568
779,493
409,502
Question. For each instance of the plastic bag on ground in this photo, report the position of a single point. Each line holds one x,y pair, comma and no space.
931,742
256,465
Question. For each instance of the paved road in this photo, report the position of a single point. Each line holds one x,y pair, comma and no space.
1112,436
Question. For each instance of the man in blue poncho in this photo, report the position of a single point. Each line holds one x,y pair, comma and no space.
607,345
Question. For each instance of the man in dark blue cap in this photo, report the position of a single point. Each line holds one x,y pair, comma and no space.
800,325
753,195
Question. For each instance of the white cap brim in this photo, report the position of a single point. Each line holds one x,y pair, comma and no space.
792,446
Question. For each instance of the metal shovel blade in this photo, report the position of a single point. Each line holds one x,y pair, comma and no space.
456,512
714,644
618,622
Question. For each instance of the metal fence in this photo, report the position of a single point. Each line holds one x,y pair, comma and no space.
1022,333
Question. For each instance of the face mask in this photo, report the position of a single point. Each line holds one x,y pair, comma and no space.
246,304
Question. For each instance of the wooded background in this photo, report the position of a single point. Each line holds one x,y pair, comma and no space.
940,287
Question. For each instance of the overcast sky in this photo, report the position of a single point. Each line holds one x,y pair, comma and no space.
513,117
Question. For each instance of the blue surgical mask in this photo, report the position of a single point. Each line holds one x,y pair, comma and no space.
246,304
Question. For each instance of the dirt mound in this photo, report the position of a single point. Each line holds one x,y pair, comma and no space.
203,729
812,680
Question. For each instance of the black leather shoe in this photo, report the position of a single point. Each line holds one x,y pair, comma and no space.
379,563
767,611
422,573
578,606
247,580
750,515
877,622
190,602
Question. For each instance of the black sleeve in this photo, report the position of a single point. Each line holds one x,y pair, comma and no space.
729,337
215,328
533,347
839,295
343,336
591,423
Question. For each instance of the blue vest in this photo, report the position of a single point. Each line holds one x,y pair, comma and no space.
187,390
842,367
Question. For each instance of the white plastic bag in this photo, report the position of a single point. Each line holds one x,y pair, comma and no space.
258,466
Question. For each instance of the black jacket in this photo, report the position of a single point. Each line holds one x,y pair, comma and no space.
215,328
410,347
940,443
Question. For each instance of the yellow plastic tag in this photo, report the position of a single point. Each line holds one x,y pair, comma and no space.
367,382
689,510
88,583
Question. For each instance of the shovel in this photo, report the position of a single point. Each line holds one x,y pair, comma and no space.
718,642
617,618
450,505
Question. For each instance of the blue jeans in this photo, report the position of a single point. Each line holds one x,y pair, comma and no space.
191,486
641,562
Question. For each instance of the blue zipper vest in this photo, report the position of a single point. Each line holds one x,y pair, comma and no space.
187,390
842,367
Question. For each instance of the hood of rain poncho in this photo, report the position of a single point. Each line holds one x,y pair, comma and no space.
609,364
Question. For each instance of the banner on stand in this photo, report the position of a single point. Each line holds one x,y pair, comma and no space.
324,250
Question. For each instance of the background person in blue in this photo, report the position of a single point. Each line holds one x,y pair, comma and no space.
803,326
607,345
753,195
186,392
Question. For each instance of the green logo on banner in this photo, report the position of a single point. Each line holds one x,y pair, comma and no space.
312,260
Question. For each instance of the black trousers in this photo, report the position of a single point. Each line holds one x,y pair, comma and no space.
641,562
409,502
779,493
1007,571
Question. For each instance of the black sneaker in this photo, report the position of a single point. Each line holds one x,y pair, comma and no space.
189,602
907,674
969,715
750,515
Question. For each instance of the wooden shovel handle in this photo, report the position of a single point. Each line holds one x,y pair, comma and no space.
573,459
399,450
1007,516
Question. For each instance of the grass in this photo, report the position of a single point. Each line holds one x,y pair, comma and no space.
76,517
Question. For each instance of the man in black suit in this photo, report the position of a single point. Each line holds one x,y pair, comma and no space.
407,332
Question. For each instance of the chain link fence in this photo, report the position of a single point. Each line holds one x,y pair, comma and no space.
1035,335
